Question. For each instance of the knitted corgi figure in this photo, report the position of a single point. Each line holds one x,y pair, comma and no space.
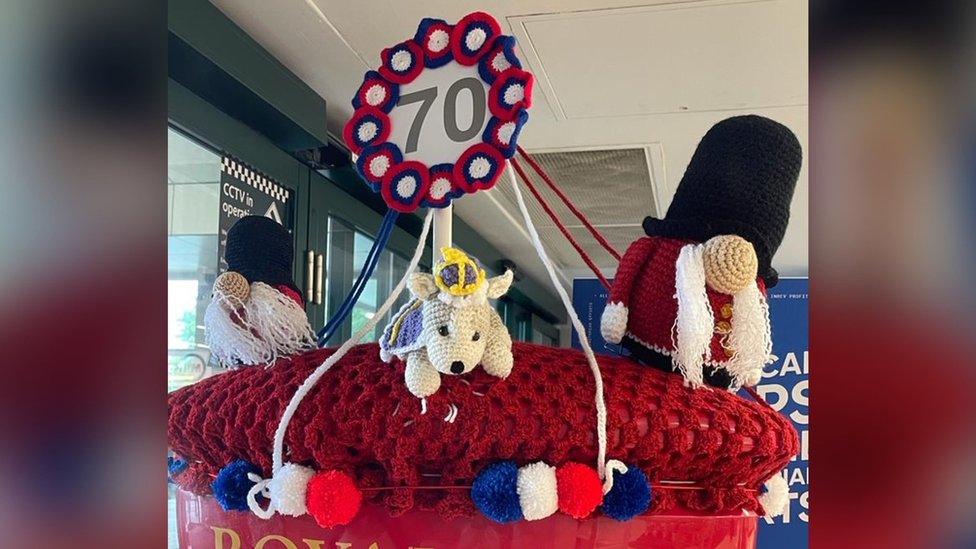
690,296
449,327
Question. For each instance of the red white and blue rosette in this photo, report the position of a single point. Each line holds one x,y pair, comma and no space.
376,92
475,41
374,162
368,126
503,134
510,92
434,37
405,185
501,58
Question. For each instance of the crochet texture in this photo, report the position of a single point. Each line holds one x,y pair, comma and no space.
362,420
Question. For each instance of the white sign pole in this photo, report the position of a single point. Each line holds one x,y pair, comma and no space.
442,231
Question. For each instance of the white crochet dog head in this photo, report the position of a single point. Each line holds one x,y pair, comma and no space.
449,327
458,332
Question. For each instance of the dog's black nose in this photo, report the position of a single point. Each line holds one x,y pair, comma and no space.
457,367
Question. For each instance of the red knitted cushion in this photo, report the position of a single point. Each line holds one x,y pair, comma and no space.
361,419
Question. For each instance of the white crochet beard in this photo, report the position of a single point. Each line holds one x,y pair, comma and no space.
693,329
751,337
271,325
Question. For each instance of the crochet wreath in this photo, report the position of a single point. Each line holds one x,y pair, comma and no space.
406,185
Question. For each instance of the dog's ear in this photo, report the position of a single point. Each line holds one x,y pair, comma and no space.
422,285
500,284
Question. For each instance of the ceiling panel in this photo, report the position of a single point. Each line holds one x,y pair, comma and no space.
698,56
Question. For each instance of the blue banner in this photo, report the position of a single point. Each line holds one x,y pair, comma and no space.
784,386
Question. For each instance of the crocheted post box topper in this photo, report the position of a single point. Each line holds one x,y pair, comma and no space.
256,313
449,327
691,295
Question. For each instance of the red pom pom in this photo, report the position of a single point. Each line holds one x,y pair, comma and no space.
333,499
579,488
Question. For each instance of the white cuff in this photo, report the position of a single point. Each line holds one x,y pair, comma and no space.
613,323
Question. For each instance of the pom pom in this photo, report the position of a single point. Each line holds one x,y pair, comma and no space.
580,489
630,495
288,489
536,487
776,497
232,484
175,466
495,492
333,498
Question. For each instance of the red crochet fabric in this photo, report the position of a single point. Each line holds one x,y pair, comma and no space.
361,419
645,283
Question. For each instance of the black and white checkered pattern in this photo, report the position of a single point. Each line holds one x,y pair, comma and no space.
261,182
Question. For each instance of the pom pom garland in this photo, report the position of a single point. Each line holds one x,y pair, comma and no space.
536,487
232,484
473,36
495,492
288,489
629,496
333,499
579,488
434,37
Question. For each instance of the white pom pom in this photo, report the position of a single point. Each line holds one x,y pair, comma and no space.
288,488
776,497
613,323
536,487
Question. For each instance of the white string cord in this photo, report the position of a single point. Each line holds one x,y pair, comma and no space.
601,406
296,399
613,466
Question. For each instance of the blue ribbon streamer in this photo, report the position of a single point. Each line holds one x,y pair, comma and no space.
386,229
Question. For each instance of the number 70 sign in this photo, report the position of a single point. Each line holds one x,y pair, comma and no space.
441,114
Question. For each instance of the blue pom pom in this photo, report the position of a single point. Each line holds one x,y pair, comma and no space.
494,492
630,495
231,485
175,466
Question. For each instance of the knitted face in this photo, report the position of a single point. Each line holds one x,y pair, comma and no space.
456,336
